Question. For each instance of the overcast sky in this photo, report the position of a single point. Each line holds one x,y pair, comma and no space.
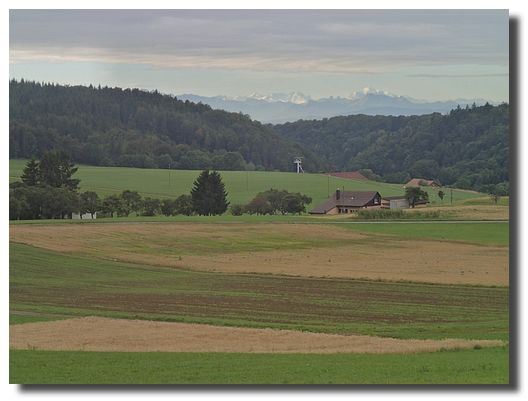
430,55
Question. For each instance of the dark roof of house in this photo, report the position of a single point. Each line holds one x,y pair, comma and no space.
346,199
351,175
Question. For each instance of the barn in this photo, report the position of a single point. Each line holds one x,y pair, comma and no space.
343,202
420,182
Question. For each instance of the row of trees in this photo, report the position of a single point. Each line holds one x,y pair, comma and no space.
274,201
48,191
208,197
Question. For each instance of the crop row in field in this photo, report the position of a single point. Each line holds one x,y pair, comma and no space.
49,282
484,366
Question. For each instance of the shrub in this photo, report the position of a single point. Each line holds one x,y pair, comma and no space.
237,210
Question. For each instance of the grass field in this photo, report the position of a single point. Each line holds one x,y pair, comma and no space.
242,186
485,366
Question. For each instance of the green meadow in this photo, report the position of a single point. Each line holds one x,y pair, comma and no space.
482,366
241,186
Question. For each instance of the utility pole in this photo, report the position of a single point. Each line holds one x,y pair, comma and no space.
451,195
247,181
328,176
169,176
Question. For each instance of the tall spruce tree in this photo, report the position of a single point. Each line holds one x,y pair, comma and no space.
31,173
56,170
208,195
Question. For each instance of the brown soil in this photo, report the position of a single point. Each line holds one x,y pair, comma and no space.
102,334
353,255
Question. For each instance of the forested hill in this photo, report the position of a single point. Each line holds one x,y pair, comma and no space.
467,148
115,127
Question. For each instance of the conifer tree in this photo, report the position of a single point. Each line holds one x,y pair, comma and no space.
31,173
208,195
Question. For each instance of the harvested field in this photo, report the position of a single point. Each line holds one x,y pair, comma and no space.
101,334
422,261
310,250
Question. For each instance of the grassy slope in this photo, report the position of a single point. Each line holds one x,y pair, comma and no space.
468,366
240,185
52,283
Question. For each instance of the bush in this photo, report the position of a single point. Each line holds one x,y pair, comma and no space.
274,200
168,207
183,205
237,210
259,205
151,207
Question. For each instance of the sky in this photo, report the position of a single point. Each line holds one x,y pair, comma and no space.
425,54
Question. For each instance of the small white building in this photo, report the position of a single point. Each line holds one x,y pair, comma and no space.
84,216
394,202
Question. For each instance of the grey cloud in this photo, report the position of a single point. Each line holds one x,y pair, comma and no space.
321,40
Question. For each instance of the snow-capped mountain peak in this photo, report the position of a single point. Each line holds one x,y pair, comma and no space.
292,97
282,107
369,91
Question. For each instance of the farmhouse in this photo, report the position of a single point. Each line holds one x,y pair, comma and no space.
347,202
420,182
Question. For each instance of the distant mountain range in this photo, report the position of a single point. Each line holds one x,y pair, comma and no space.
278,108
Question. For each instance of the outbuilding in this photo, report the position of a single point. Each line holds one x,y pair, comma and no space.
394,202
84,216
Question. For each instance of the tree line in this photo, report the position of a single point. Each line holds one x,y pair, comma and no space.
468,148
47,190
134,128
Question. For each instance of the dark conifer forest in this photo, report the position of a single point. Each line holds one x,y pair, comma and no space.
135,128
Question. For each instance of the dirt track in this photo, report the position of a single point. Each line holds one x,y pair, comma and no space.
275,249
102,334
